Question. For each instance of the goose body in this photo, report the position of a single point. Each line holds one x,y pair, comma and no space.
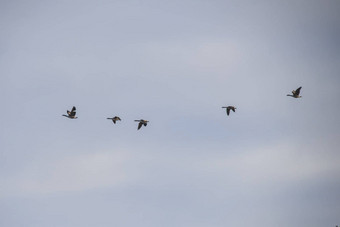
228,108
71,114
141,123
114,119
296,93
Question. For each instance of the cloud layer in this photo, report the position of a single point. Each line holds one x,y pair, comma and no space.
273,162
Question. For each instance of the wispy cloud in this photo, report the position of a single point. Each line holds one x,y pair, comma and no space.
75,173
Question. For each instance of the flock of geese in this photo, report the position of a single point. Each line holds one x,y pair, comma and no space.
72,114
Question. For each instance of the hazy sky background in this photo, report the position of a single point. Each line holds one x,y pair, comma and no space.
275,162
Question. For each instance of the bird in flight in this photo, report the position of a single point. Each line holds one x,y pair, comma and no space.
141,122
114,119
71,114
296,93
228,108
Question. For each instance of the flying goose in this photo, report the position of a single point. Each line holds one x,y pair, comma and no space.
71,114
141,122
296,93
114,119
228,108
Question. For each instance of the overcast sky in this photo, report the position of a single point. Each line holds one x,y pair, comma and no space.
274,162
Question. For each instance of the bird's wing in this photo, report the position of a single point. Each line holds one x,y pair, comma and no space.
114,121
297,92
228,111
116,118
140,125
233,109
73,112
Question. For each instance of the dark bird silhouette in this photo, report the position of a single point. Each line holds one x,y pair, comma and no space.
296,93
228,108
114,119
141,122
71,114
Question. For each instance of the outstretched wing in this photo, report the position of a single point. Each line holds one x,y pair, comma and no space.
297,92
116,118
140,125
228,111
233,109
73,112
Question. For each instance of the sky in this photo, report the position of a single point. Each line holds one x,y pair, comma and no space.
274,162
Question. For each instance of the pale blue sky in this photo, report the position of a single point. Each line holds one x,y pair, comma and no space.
275,162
